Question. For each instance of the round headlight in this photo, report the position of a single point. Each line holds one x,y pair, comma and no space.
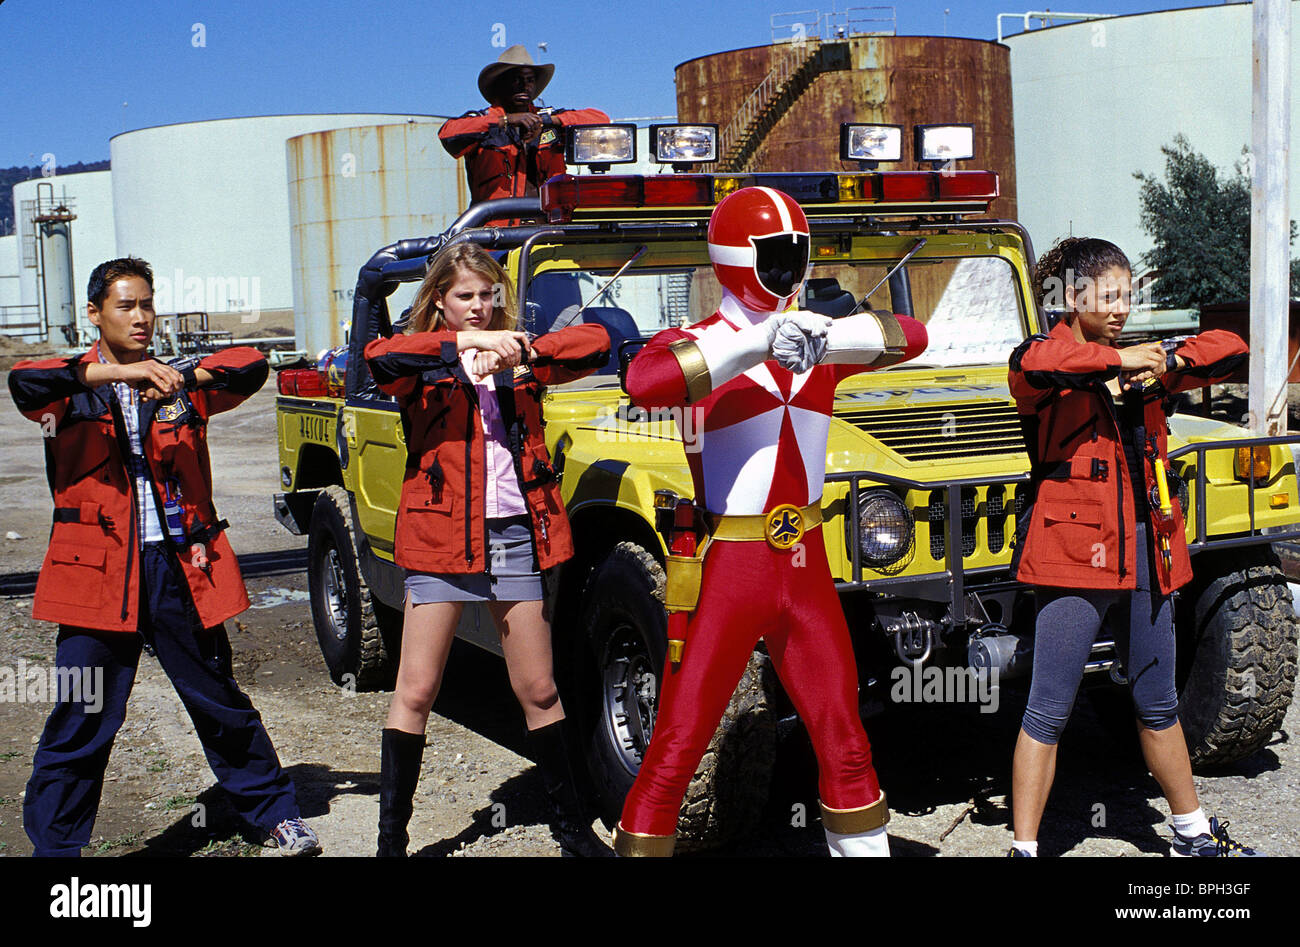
885,528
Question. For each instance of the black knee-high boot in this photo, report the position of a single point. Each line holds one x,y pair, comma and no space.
571,827
400,756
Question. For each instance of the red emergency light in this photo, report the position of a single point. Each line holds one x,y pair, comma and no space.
301,382
564,194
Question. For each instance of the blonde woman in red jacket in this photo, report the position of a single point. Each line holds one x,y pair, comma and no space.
1094,424
480,514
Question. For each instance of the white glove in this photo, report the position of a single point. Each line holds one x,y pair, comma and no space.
729,353
800,340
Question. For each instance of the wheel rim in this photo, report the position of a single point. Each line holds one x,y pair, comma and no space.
630,690
334,585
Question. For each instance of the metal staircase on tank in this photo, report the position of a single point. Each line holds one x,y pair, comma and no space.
773,96
793,72
815,42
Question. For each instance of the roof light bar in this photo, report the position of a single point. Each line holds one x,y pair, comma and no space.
564,194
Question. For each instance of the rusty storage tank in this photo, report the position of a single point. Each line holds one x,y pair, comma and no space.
814,86
352,191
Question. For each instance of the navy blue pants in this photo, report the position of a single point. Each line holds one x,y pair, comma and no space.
68,771
1068,622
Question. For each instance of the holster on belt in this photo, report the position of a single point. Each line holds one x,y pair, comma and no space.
685,574
684,568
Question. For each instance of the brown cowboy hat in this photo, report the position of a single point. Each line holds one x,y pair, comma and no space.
513,58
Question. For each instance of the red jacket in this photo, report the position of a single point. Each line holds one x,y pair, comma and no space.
1077,529
441,519
498,162
91,577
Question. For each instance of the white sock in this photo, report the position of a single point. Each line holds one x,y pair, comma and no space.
1030,847
1191,824
872,844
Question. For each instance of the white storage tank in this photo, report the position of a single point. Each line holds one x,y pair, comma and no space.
207,204
1096,100
351,192
10,292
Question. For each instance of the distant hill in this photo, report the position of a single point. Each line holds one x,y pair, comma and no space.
11,176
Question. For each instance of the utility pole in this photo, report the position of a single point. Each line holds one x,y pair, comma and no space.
1270,216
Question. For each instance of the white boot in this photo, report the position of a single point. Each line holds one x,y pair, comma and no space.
861,831
873,844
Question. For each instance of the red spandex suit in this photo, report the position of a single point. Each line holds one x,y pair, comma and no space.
761,383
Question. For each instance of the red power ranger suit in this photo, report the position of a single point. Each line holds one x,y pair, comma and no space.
761,444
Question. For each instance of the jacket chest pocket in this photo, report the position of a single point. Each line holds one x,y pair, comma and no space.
1072,533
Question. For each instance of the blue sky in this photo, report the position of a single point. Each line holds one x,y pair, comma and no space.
68,65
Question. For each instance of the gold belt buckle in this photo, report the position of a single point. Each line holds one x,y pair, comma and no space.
783,526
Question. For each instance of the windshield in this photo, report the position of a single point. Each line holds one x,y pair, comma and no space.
970,305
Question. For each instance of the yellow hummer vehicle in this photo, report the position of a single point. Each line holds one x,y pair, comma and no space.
927,474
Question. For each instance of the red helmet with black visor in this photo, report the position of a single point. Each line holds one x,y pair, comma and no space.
759,245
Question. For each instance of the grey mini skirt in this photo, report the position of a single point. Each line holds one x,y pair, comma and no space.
511,576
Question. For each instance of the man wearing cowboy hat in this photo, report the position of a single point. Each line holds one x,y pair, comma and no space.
512,147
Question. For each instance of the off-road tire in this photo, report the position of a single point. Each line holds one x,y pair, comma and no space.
623,618
358,634
1237,655
730,788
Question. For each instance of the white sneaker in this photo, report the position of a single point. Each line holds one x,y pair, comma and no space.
294,837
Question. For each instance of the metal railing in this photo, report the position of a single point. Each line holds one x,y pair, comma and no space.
1200,541
756,104
22,320
1046,16
799,26
859,21
955,572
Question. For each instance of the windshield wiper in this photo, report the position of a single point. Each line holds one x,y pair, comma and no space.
920,242
612,280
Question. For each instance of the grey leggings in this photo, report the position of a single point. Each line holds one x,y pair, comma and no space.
1068,622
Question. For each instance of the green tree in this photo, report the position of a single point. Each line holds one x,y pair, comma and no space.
1199,218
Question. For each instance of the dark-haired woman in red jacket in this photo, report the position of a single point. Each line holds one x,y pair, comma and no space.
1092,538
480,514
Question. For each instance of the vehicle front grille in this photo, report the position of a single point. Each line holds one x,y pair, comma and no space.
986,506
970,430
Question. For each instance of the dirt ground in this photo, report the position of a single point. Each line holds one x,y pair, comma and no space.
946,772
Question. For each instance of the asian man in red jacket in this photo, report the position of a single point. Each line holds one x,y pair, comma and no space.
138,560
